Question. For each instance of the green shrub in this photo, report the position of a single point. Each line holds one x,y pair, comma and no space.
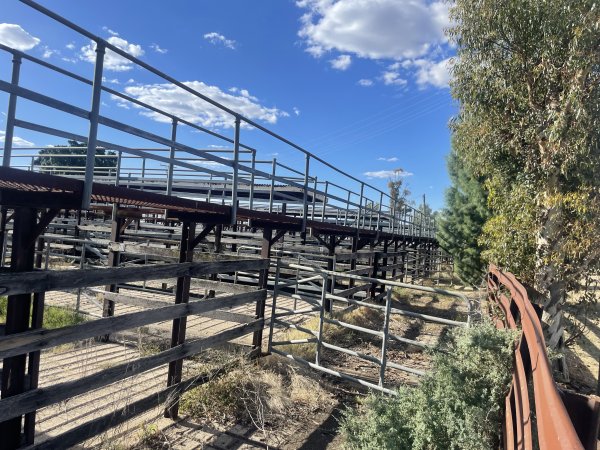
54,317
457,406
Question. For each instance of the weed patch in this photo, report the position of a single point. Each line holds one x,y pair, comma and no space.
457,406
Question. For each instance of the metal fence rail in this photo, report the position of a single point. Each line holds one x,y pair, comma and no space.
315,287
555,430
357,203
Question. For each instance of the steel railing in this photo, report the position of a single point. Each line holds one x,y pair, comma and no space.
555,430
359,204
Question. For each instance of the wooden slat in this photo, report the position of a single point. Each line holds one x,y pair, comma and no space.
53,280
20,343
39,398
90,429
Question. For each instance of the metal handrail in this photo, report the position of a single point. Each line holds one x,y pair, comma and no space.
388,212
555,430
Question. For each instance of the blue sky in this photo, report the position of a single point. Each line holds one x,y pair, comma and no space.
361,83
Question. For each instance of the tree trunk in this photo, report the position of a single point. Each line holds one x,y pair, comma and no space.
549,281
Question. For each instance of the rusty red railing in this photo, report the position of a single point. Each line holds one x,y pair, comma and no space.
532,374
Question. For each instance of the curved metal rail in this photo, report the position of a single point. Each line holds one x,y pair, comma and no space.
555,430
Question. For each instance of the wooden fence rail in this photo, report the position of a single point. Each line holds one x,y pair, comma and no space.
32,341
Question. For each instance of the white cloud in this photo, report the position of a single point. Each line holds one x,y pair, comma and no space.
376,29
12,35
315,50
181,103
215,38
112,61
392,159
130,81
296,111
17,141
110,81
365,82
48,52
109,31
392,78
342,62
434,73
387,173
158,49
70,46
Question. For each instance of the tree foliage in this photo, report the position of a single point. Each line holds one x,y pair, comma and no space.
398,190
528,80
462,220
457,406
59,156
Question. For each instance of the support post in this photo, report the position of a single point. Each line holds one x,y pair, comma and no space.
33,366
108,309
90,158
17,321
12,111
353,258
328,303
217,249
3,234
182,295
171,157
360,203
236,163
375,272
384,262
305,194
395,270
321,320
263,282
386,328
272,191
274,305
251,194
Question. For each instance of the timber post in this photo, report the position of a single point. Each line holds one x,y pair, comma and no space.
263,283
182,295
17,321
108,309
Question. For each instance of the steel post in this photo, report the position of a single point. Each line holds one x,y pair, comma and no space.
236,163
251,194
305,196
362,190
11,112
272,192
314,199
321,317
90,158
171,156
386,328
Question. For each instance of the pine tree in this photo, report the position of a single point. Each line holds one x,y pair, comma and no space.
461,222
59,157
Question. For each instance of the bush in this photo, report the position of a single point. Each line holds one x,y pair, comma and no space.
457,406
54,316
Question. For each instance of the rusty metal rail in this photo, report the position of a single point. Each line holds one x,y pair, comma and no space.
532,377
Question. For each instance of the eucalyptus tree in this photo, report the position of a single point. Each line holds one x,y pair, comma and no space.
527,76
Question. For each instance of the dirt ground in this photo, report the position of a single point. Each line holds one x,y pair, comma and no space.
316,427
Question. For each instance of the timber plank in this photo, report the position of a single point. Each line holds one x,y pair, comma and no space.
26,342
55,280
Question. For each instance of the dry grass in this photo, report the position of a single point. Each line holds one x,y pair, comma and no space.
334,334
264,394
